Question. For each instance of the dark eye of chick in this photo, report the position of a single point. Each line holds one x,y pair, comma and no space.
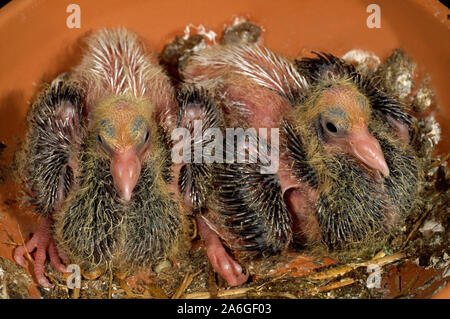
331,127
100,139
333,123
144,139
102,143
147,136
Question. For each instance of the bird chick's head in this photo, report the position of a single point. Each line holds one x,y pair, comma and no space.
124,135
341,115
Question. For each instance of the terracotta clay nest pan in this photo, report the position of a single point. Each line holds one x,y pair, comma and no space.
37,45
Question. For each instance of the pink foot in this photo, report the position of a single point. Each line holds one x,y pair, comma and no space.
43,242
221,261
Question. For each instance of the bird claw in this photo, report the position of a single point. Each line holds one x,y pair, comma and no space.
43,242
225,265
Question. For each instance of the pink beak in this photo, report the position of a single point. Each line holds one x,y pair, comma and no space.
125,170
367,149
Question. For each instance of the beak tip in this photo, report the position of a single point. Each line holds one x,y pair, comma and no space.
126,197
385,171
367,149
126,191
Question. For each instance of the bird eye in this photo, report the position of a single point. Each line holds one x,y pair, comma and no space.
147,136
102,142
331,127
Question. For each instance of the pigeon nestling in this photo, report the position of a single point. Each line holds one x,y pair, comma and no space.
96,161
347,173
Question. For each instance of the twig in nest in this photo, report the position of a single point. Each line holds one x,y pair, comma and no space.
379,254
270,281
441,161
342,283
383,260
212,282
4,288
418,224
407,288
268,294
30,259
130,294
339,271
138,296
110,284
100,294
96,273
220,293
11,242
184,284
156,292
126,288
76,293
331,273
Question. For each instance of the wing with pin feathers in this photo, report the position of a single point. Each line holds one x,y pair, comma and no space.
198,113
53,137
249,203
295,151
244,203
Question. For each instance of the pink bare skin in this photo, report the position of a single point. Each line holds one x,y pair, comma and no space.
222,262
401,130
301,205
300,199
43,242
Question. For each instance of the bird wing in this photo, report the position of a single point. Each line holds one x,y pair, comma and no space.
249,204
301,169
53,136
196,105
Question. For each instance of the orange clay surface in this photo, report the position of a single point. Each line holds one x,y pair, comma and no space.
36,44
